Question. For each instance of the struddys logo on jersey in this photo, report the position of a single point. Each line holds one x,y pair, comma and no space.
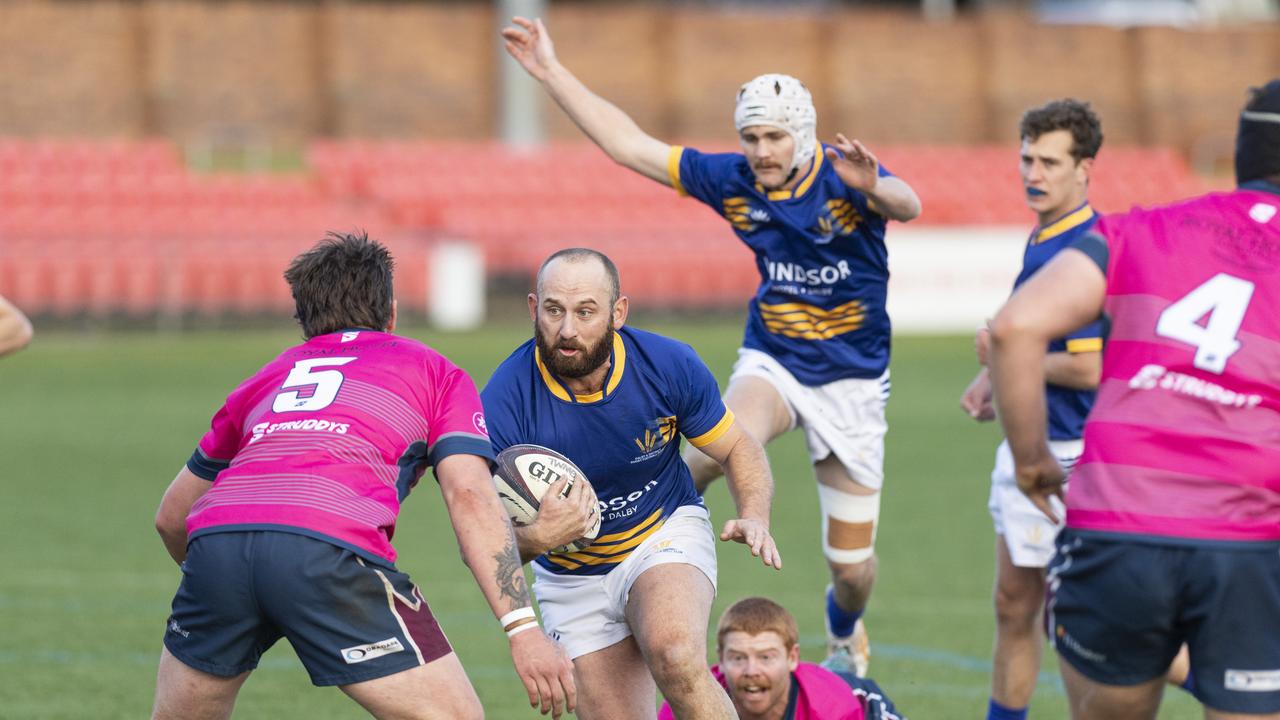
655,438
261,430
1154,376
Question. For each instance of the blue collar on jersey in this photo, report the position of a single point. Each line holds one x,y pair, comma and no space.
1075,218
804,185
618,364
1261,186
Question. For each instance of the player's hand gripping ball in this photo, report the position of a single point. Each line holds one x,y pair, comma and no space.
523,475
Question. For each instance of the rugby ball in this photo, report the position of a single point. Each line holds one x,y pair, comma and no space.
522,476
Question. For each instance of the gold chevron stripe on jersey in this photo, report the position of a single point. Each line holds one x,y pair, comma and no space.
810,322
737,211
845,214
611,549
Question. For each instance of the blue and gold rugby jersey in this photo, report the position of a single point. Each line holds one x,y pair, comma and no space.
1068,407
824,268
623,438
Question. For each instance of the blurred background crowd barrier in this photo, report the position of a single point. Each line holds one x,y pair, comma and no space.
166,158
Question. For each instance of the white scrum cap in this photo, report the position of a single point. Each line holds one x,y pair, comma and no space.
783,102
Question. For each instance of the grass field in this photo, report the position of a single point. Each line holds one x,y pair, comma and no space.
93,427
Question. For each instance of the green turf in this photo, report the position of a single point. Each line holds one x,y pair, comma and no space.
93,427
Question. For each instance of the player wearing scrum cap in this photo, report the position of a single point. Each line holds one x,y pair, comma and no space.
816,348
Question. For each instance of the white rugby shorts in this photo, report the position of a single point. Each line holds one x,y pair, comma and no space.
844,417
1027,532
586,613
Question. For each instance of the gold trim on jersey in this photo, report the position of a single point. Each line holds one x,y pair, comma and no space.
737,210
800,320
845,215
1084,345
673,169
1057,227
714,433
558,388
613,548
804,185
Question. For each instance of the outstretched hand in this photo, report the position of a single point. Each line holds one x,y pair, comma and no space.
1040,481
530,44
858,168
755,535
546,671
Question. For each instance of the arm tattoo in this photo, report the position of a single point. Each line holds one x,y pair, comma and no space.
510,574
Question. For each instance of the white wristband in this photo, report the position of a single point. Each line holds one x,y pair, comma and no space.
517,614
521,628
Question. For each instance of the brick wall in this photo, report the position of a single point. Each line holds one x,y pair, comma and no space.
285,71
71,69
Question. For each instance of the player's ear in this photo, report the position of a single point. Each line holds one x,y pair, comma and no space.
793,657
391,322
1084,169
533,307
620,311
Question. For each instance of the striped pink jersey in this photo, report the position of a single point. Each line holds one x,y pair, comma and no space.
329,437
1184,440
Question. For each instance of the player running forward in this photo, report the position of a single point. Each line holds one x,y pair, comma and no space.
758,643
816,349
1060,141
283,516
1173,515
632,608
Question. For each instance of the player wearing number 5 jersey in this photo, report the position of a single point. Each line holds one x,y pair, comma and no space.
1173,514
283,517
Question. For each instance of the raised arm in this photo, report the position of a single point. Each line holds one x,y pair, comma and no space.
859,169
607,126
746,469
489,550
1064,295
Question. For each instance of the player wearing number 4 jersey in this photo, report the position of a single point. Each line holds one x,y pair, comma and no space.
282,519
1173,515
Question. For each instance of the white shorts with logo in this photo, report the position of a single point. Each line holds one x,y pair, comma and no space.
1027,532
586,613
844,417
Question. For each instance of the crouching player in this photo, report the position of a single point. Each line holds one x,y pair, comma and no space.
758,644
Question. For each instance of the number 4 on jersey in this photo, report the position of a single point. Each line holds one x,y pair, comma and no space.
1224,298
326,384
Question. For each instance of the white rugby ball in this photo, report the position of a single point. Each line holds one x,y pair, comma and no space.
522,476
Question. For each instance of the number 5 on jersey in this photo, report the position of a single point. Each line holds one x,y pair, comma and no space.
1224,298
326,384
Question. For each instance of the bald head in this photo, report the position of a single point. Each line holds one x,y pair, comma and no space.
581,266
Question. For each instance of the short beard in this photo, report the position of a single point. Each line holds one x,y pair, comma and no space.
587,361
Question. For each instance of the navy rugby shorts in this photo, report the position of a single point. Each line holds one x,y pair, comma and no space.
1120,608
348,619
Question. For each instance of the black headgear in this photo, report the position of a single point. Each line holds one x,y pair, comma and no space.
1258,140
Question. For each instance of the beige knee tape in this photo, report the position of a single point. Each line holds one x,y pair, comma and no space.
848,525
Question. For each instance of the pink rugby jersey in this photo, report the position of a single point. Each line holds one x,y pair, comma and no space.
1184,439
329,438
